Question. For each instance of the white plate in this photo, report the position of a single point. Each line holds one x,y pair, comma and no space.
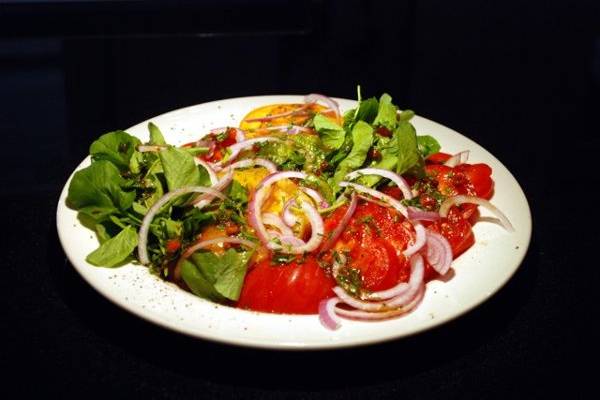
479,273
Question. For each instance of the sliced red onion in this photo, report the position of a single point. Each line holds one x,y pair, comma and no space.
327,314
316,196
210,144
332,104
439,252
405,293
235,149
205,243
374,201
370,316
335,234
316,237
417,214
145,227
255,204
151,148
249,162
420,240
460,199
404,296
282,115
394,291
397,179
211,172
291,240
378,195
277,222
288,216
417,273
457,159
205,199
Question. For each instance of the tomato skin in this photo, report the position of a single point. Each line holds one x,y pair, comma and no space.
480,176
458,232
374,239
294,288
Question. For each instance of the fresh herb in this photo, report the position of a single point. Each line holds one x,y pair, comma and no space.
350,279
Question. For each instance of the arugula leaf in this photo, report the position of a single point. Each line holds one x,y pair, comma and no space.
408,154
116,147
102,233
362,138
332,135
179,170
198,283
427,145
225,274
399,153
99,185
156,136
367,110
115,250
386,114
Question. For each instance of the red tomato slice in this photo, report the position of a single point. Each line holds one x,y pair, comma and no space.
458,232
375,239
294,288
467,179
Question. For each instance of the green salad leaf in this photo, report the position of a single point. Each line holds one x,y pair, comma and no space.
362,138
216,277
116,147
156,136
115,250
332,135
386,113
179,168
427,145
99,188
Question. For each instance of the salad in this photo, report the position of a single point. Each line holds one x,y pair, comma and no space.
300,209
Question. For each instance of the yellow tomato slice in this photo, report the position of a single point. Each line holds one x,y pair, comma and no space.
255,127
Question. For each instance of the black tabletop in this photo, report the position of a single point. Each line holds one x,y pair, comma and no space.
521,80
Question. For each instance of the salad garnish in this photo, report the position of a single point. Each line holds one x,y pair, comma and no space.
300,209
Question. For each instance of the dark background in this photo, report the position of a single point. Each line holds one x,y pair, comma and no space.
520,78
